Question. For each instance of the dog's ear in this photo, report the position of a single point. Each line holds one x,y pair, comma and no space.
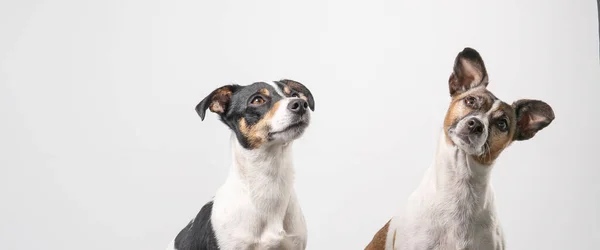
218,101
291,87
469,72
532,116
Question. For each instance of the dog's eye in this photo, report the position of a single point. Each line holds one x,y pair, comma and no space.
295,95
502,125
258,100
471,101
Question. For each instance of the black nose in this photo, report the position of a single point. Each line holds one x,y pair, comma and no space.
298,106
475,126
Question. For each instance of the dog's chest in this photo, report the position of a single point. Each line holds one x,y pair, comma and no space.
452,222
254,217
257,229
456,229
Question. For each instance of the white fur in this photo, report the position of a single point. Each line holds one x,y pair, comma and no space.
453,207
282,118
476,145
171,245
272,83
257,208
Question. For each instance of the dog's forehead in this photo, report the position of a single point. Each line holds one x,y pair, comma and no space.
276,87
479,91
489,97
259,87
498,105
499,108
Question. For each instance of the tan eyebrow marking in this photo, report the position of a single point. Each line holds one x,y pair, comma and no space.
264,92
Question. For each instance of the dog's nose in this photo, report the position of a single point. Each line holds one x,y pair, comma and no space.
475,126
298,106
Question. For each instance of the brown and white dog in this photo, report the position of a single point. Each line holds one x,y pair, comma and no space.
453,208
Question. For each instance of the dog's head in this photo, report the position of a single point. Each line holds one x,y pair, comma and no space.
262,113
479,123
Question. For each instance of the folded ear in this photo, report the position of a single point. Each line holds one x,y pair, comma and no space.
291,87
532,116
218,101
469,72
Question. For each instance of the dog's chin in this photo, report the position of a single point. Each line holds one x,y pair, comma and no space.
471,145
289,133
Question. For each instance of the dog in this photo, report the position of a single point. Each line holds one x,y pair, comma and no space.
453,207
256,207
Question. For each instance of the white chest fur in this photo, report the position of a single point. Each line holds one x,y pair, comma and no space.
256,208
453,208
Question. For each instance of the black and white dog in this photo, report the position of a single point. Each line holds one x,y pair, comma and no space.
256,207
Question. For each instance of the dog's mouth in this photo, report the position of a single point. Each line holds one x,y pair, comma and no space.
464,137
296,126
469,142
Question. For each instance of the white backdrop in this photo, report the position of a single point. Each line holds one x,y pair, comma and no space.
101,147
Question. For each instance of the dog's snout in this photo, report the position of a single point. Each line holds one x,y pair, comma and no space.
475,126
298,106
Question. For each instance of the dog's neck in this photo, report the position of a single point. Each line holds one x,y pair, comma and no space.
458,176
265,165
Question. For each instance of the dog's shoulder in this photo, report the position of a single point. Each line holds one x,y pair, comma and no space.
199,233
379,240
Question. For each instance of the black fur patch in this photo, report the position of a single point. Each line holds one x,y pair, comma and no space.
199,233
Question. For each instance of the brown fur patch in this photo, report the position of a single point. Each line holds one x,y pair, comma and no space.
378,242
456,111
216,107
220,100
258,132
264,92
287,90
